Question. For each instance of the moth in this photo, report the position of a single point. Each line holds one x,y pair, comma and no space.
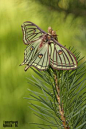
44,50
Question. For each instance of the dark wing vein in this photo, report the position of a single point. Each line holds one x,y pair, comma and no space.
30,32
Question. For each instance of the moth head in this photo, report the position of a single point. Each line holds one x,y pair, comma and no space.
49,30
54,34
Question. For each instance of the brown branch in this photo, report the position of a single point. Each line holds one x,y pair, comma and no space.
61,110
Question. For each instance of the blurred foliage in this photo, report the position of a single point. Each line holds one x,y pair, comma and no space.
77,7
13,84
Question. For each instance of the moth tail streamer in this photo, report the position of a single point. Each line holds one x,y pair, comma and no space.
26,68
22,64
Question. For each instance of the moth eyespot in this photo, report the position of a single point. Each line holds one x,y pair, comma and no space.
40,55
60,52
31,48
34,31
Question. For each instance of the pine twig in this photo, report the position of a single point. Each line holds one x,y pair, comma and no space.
61,110
54,110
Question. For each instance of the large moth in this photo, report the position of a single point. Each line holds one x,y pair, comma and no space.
44,50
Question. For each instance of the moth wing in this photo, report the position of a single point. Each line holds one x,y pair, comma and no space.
30,51
41,59
31,32
60,57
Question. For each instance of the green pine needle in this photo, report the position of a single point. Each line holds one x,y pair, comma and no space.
72,86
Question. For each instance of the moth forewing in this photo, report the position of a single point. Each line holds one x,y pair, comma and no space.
31,32
30,51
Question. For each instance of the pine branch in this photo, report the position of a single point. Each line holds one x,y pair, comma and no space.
59,98
61,110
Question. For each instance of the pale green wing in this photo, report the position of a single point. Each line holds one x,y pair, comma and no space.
41,59
61,58
31,32
30,51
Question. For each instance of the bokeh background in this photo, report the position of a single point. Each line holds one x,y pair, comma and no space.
67,18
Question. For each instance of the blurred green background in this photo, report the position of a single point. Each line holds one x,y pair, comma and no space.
67,18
